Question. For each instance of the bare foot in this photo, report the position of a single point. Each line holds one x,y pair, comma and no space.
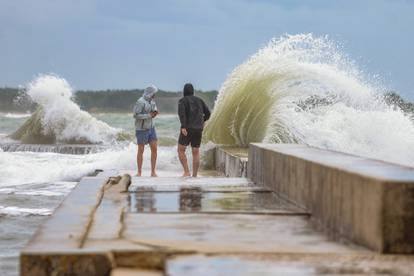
138,174
186,175
194,175
153,174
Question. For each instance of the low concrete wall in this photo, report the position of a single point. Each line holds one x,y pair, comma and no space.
363,200
230,161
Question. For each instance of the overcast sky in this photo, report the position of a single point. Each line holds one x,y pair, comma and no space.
130,43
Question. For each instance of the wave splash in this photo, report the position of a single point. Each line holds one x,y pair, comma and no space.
59,119
303,89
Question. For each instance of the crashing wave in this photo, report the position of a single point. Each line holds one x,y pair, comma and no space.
58,119
302,89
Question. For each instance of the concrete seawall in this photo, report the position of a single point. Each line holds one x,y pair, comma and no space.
231,161
363,200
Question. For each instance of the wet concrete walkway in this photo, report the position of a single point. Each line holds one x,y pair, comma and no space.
203,226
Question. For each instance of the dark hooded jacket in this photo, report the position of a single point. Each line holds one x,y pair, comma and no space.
192,110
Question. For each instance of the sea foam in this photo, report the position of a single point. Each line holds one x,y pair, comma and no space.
18,211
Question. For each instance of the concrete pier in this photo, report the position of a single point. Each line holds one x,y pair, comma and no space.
164,226
112,224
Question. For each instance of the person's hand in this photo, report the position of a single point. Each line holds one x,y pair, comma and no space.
184,131
154,113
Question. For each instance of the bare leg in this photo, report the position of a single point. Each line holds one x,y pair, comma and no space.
196,160
183,159
153,147
140,154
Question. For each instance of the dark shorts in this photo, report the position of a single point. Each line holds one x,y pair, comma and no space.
146,136
193,137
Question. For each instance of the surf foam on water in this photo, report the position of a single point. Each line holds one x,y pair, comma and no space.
15,115
17,211
55,189
303,89
23,168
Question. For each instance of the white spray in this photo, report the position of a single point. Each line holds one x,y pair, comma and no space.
62,116
302,89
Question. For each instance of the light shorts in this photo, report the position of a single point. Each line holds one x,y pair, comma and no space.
146,136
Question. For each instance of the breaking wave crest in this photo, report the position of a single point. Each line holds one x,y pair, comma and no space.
303,89
59,119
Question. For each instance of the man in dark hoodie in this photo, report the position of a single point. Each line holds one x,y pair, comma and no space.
193,112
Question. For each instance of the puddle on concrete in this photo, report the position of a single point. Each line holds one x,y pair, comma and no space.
174,183
196,200
223,233
203,266
231,265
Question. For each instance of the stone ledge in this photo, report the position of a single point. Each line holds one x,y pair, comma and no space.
366,201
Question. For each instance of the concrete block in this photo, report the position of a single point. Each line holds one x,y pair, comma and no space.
65,263
359,199
232,162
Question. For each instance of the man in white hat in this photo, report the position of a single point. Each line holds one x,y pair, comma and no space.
145,111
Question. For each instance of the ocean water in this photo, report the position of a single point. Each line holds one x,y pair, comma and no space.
297,89
33,184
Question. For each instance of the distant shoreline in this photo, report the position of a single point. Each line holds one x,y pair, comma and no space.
94,111
117,101
125,112
21,113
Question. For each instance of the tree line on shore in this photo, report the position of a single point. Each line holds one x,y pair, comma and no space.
122,100
117,100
